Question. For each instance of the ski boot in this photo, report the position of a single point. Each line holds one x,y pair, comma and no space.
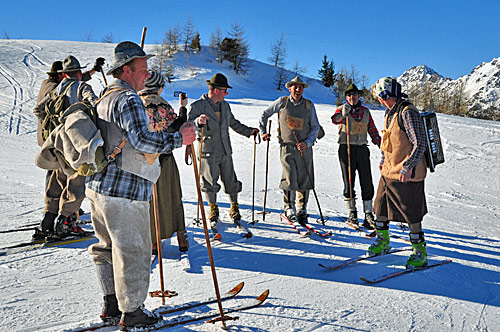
381,244
290,213
141,317
110,313
214,213
182,239
234,212
302,217
353,213
64,227
369,222
39,235
418,257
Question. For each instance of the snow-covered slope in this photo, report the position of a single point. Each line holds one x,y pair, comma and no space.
55,289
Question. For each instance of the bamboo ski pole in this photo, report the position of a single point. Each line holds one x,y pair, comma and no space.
310,180
267,173
104,77
162,292
197,220
349,159
253,176
143,36
207,239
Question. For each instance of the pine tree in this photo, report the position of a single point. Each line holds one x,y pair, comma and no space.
235,49
327,72
195,42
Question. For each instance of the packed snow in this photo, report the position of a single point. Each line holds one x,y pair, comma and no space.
56,289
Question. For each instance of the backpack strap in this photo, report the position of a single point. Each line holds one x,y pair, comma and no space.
400,110
116,149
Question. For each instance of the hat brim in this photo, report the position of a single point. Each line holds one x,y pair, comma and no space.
62,71
124,62
289,84
215,85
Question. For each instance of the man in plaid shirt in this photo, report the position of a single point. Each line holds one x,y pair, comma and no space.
119,196
400,195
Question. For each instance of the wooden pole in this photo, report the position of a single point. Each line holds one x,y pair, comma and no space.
199,174
267,173
207,238
158,241
143,37
349,159
310,180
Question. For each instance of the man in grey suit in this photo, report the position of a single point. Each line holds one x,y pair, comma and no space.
216,155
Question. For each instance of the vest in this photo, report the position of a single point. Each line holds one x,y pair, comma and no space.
73,91
397,149
294,119
129,160
357,130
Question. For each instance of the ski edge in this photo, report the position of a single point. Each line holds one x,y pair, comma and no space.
361,258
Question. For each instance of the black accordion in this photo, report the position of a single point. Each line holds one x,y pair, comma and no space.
434,153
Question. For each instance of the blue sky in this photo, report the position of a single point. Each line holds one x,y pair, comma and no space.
381,38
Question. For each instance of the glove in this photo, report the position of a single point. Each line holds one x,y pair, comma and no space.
346,109
99,62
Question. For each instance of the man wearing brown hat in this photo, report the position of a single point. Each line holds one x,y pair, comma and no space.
216,154
65,193
119,195
355,123
298,127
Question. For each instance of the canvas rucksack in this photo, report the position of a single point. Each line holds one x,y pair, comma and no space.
54,109
101,160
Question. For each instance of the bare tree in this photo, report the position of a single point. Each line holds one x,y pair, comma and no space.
6,35
216,43
298,69
171,39
188,33
88,37
278,52
108,38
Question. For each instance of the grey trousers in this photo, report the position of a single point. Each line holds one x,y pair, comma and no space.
122,227
214,167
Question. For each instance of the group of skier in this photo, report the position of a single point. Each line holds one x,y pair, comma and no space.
131,110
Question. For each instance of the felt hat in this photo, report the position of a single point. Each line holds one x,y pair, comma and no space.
69,64
55,68
219,81
296,80
124,53
352,88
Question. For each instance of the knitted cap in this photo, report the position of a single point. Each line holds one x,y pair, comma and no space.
156,80
387,87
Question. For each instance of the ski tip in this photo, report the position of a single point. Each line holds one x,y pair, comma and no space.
217,237
262,297
237,288
248,235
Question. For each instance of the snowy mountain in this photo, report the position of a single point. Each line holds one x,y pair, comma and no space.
480,89
55,288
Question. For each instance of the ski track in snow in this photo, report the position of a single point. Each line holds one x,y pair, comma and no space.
56,289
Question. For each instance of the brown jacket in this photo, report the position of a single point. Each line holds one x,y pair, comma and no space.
47,86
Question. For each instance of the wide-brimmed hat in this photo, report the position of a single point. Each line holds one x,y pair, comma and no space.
219,81
125,52
55,68
296,80
70,63
353,88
